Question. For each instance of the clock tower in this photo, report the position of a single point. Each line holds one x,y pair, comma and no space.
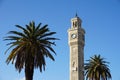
76,42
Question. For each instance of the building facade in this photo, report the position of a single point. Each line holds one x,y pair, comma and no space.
76,41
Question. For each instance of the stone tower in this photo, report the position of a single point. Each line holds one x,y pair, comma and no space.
76,42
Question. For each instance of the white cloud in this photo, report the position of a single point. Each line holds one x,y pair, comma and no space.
22,78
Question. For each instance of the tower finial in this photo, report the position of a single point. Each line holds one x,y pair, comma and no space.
76,15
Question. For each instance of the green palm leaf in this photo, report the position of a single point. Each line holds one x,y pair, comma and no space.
30,47
97,69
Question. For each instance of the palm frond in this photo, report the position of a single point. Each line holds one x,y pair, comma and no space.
18,34
12,38
13,54
97,68
38,27
31,46
47,34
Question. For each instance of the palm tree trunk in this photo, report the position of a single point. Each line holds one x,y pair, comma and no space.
29,70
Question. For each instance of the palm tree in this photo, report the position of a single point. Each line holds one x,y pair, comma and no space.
30,47
97,69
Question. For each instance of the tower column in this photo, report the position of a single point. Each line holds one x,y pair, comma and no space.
76,43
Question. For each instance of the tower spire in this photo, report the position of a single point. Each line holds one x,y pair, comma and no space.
76,15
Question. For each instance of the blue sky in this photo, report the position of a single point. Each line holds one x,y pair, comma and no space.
100,19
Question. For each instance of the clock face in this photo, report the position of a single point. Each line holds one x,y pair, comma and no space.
73,36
